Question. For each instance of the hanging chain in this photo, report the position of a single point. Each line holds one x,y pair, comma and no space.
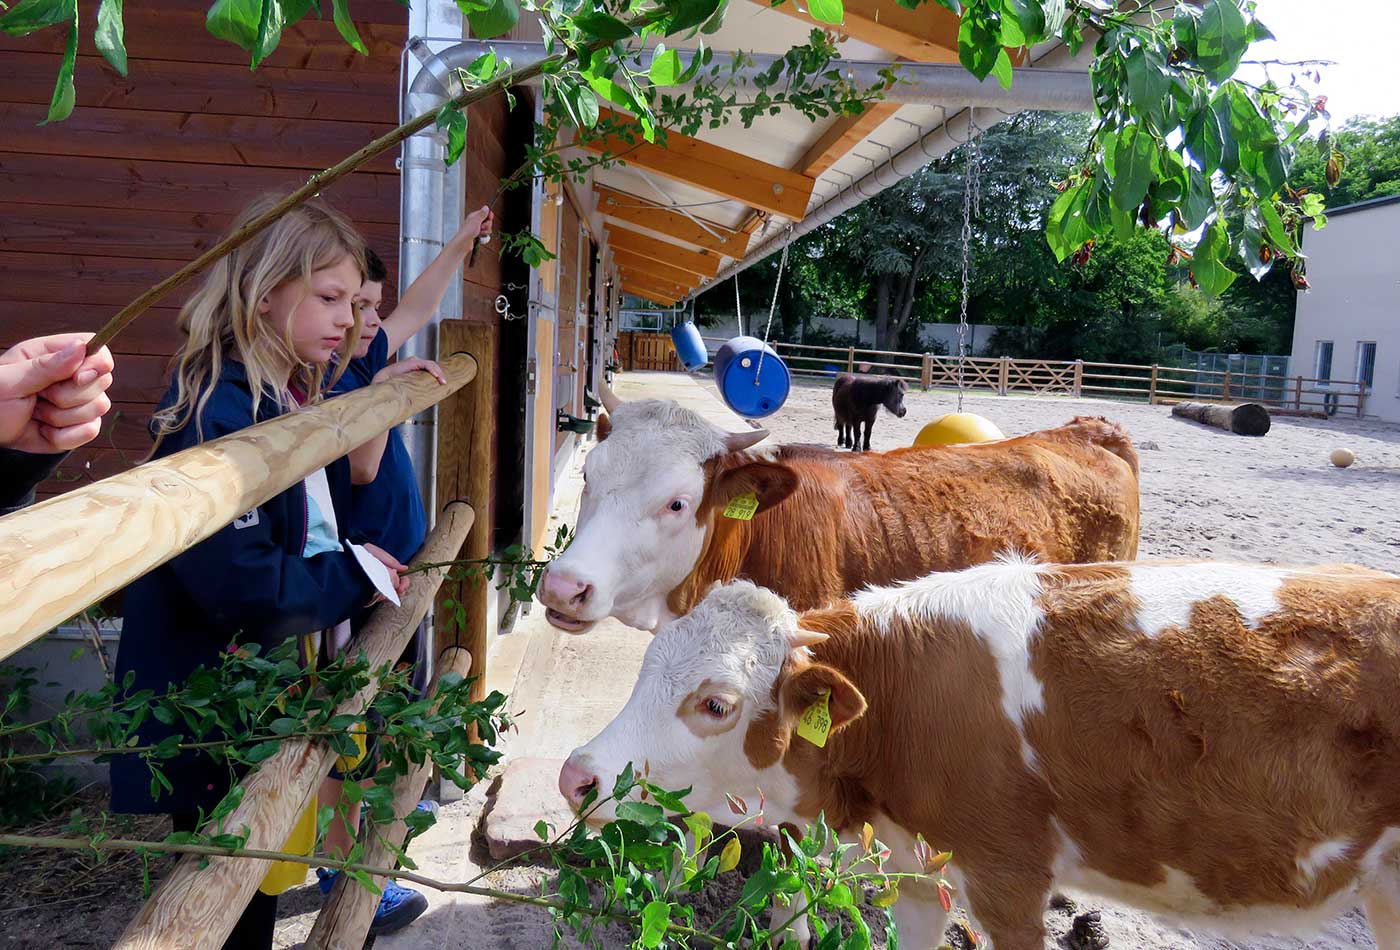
738,313
772,307
972,194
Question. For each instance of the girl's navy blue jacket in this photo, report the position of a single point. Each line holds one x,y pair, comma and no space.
248,582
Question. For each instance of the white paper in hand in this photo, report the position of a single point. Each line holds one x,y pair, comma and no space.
378,574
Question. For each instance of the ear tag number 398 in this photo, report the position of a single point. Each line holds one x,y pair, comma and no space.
742,507
815,724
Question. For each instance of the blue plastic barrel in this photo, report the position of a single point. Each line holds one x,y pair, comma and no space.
689,346
751,390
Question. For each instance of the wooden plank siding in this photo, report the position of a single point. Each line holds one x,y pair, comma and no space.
151,168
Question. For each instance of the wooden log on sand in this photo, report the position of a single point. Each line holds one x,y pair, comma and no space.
64,554
344,921
1247,418
197,905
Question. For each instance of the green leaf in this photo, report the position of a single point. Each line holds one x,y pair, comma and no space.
1065,227
1205,140
979,39
1184,27
1002,69
1148,83
263,750
111,34
284,726
655,917
269,31
665,66
1134,161
1311,204
1221,39
1207,263
64,95
827,11
603,27
453,121
1029,16
482,69
346,26
235,21
1199,201
1274,228
1011,33
839,897
542,830
497,19
26,16
642,813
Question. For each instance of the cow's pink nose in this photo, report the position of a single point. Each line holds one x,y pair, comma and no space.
576,780
563,592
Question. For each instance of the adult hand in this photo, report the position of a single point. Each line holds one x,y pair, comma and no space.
52,395
401,367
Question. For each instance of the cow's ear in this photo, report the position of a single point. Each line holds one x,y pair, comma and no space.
806,687
770,482
603,428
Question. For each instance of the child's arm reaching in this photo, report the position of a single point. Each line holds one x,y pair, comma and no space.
420,301
364,460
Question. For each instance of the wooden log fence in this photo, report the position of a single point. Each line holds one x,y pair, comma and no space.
1003,375
62,555
197,905
343,922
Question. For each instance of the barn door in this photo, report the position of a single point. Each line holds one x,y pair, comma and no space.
540,366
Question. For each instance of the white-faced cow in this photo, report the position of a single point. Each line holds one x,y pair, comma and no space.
1215,743
653,534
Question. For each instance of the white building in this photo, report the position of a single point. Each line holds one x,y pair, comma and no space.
1348,324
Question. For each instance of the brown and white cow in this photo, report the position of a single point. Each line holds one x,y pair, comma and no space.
652,535
1216,743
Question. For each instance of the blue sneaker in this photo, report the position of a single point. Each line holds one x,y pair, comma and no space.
398,907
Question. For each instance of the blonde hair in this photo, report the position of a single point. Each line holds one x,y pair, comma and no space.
221,320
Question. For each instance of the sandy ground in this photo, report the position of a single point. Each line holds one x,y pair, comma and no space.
1205,493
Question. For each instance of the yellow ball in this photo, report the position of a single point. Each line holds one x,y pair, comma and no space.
957,428
1342,458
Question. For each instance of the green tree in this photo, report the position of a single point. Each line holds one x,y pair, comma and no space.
1370,167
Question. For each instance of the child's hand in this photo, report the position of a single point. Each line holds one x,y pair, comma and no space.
409,366
478,225
394,566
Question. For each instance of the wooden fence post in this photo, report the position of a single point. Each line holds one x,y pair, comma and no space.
1003,375
1152,387
1227,383
1360,399
343,922
850,359
926,372
1298,394
198,903
1078,378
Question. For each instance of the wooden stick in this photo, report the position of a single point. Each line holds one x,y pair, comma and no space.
319,181
198,904
62,555
1248,418
343,922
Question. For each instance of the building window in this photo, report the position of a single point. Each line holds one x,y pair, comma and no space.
1366,364
1322,362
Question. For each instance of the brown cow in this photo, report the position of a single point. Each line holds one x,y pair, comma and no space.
1215,743
652,534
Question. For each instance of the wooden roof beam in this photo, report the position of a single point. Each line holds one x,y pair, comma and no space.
629,209
843,135
710,168
664,284
703,263
641,288
926,35
637,264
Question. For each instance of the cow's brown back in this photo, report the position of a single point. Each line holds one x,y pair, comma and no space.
1067,495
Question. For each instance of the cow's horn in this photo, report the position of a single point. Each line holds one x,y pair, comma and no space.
610,400
738,441
806,638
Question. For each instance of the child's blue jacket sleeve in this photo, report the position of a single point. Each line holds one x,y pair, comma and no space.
251,576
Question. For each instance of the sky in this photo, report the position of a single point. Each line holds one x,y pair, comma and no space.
1360,36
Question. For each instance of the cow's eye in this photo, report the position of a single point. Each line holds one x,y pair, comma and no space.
677,505
717,708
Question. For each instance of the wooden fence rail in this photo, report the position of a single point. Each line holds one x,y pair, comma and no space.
1003,375
197,905
62,555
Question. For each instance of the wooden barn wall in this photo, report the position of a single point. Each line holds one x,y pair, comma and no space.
150,169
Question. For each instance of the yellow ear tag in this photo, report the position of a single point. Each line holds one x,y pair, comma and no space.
815,724
742,508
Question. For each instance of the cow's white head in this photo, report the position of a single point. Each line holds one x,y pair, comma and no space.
652,488
720,694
